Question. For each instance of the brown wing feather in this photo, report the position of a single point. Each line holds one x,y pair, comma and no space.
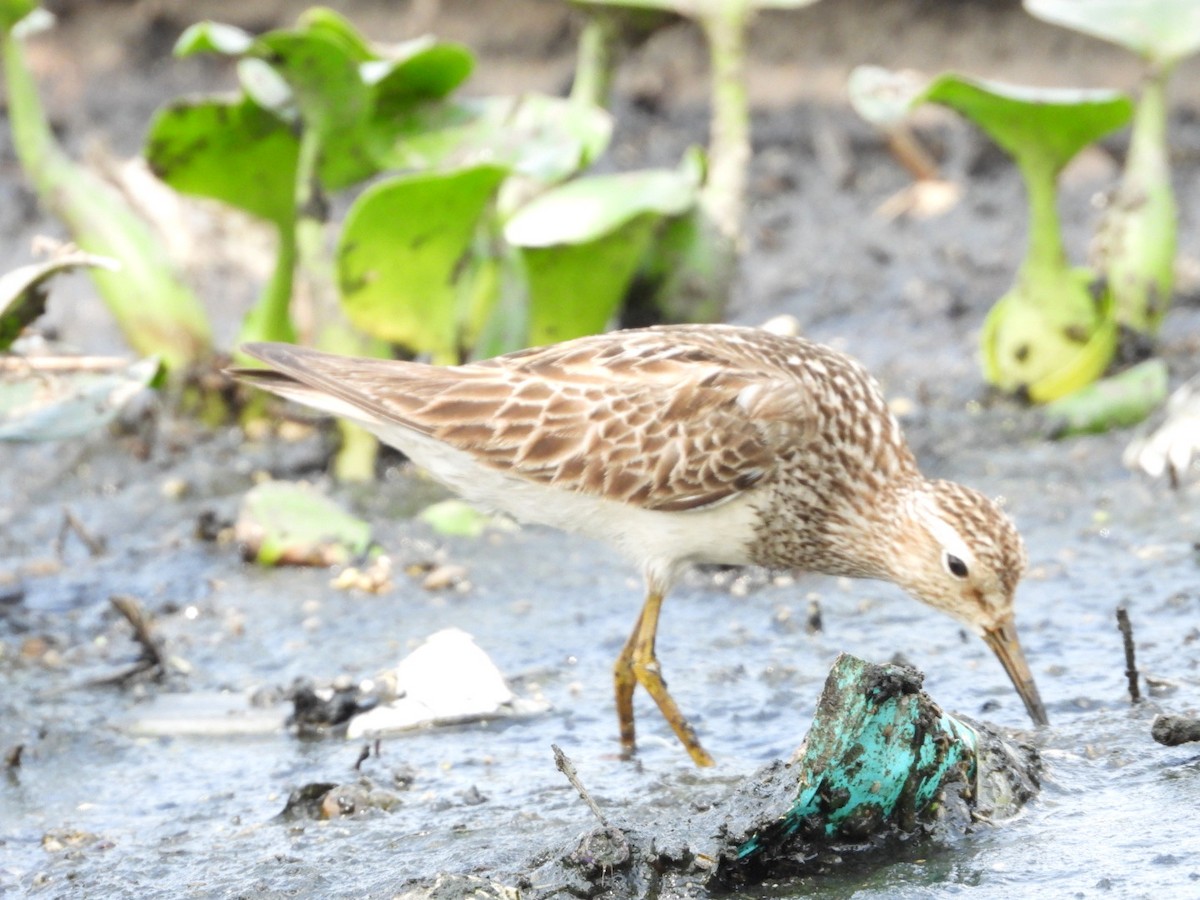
666,425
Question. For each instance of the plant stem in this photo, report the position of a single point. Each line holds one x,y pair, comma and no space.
1148,137
1045,252
724,192
157,314
329,330
270,319
595,60
1136,241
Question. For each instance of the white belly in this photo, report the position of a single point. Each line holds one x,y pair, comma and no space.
661,542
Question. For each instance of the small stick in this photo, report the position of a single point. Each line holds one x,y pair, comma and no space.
568,768
908,150
363,755
152,660
1131,671
95,545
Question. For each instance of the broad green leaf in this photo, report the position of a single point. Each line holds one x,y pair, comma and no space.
882,96
429,72
13,11
327,23
1162,31
156,312
284,523
399,255
581,243
684,274
1117,402
213,37
588,208
576,288
230,150
547,138
1055,123
60,405
23,291
330,97
323,77
455,518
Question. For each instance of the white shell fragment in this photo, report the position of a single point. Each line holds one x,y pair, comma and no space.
447,680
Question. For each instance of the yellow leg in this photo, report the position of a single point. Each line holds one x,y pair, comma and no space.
636,665
625,681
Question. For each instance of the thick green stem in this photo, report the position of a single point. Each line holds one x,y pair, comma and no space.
729,143
595,60
355,460
270,319
1135,246
1148,137
1045,252
157,314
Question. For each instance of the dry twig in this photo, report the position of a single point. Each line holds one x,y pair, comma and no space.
1131,671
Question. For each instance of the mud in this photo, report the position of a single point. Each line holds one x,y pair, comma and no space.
90,806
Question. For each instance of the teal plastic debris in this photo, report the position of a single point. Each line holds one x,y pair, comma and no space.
879,753
881,765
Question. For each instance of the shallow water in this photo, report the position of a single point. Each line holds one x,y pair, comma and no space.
95,811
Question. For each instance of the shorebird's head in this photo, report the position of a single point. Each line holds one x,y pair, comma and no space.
959,552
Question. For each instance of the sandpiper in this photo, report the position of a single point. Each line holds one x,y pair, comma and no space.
685,444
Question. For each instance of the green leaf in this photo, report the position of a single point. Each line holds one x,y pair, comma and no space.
582,242
60,405
322,74
1161,31
588,208
1117,402
576,289
328,96
13,11
547,138
23,291
455,518
230,150
685,273
325,22
156,312
283,523
400,252
424,70
1051,123
213,37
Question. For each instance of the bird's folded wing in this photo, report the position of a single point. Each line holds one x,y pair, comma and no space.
682,435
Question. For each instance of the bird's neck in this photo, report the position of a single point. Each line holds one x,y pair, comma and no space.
868,541
834,532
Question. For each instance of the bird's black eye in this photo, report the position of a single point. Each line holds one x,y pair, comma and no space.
956,566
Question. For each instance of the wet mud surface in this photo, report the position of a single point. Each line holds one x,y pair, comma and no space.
98,806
